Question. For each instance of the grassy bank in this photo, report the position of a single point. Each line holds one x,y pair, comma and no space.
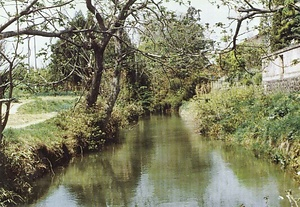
269,125
28,153
47,105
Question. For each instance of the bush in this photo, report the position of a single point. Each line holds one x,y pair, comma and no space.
84,127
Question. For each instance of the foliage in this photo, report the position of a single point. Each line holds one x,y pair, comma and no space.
86,126
181,64
267,124
285,25
68,59
31,81
243,63
136,86
128,114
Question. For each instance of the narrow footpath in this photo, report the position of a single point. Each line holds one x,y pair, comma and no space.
17,120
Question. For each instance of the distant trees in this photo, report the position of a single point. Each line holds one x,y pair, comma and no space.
182,62
70,59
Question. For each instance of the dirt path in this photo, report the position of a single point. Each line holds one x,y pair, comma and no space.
16,120
24,120
15,106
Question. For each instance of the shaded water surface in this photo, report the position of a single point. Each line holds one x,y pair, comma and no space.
162,162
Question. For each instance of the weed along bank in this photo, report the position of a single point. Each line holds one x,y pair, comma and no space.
266,124
281,70
31,152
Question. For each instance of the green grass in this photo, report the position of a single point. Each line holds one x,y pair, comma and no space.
20,144
267,124
39,106
31,151
45,133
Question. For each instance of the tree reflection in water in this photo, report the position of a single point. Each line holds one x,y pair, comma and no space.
163,163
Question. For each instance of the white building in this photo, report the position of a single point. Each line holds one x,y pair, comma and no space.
281,70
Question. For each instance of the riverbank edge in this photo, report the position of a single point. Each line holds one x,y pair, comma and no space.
285,152
78,133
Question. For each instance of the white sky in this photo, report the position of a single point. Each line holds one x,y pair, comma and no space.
210,14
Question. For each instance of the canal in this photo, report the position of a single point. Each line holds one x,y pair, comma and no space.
161,162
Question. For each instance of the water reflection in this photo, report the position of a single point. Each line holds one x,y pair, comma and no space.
163,163
60,197
225,189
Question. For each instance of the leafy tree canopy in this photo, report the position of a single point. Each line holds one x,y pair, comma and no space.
285,25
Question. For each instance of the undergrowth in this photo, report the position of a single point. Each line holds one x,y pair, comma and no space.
267,124
28,153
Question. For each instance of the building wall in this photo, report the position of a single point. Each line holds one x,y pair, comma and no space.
281,70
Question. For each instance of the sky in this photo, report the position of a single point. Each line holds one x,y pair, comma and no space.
213,14
209,14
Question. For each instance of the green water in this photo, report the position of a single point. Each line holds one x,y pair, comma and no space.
162,162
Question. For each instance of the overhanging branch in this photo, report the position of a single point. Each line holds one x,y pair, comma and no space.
29,9
26,31
26,11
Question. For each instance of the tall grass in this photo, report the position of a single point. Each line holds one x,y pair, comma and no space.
267,124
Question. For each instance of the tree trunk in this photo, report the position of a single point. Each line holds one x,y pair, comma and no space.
115,83
93,92
4,83
1,107
114,93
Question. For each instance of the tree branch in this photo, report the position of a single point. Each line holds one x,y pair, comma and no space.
27,31
251,12
98,16
29,10
5,100
26,11
124,13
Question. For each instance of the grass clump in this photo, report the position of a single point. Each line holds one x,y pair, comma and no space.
267,124
8,198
